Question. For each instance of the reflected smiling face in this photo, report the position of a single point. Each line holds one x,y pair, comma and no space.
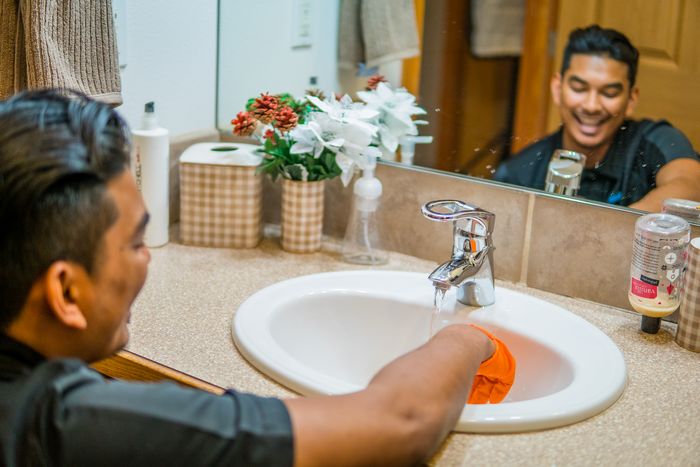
594,98
120,271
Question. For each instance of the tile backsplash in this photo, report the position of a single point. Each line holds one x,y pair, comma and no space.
560,245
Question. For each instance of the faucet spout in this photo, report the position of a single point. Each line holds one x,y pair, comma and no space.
456,271
470,268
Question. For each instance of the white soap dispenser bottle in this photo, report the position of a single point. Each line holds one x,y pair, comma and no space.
362,243
150,162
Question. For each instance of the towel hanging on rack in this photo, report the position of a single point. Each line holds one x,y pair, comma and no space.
375,32
497,27
59,44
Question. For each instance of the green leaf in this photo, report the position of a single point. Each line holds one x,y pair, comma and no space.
249,104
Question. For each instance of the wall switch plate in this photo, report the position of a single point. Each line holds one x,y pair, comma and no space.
119,19
302,23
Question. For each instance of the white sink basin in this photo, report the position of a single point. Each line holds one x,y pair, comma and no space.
330,333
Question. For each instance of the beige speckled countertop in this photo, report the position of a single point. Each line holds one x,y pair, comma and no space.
183,319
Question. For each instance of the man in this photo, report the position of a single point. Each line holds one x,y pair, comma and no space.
73,261
631,163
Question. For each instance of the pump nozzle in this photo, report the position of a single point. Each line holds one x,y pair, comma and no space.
368,187
149,120
408,146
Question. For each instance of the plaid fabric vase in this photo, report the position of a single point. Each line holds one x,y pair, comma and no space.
220,205
302,216
688,331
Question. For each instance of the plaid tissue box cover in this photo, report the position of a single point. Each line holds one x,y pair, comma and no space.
688,331
220,196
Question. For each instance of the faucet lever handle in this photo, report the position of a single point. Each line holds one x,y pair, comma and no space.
446,210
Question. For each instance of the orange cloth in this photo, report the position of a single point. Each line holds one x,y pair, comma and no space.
495,376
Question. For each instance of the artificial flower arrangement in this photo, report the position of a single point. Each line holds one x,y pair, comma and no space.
321,138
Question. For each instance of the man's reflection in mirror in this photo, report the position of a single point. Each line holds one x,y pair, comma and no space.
635,163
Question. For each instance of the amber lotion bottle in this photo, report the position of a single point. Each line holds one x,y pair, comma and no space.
659,256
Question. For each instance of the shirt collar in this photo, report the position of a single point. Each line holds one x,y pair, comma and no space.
16,357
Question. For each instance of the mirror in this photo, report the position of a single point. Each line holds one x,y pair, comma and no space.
481,109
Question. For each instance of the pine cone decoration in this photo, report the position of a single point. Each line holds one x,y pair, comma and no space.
244,124
265,107
373,81
285,119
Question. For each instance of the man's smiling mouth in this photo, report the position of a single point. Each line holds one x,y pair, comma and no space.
590,125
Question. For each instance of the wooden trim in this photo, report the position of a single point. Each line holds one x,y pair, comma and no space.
533,96
444,54
129,366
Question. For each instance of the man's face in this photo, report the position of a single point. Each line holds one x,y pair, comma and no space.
120,271
593,97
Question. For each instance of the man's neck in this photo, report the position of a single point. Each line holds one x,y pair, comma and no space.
44,338
594,156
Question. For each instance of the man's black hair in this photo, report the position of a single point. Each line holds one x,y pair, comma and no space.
594,40
58,150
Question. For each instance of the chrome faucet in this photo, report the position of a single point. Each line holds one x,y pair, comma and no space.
471,267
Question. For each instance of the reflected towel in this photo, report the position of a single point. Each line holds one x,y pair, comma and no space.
59,43
497,27
495,376
375,32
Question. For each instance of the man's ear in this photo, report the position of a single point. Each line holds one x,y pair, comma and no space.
62,283
555,88
632,103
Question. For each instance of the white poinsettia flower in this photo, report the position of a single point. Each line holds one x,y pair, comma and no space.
308,139
347,112
313,138
347,168
349,141
396,108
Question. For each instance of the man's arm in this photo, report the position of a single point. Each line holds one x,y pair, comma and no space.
403,415
680,178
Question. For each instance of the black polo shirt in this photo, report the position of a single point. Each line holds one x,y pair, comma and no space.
61,412
611,181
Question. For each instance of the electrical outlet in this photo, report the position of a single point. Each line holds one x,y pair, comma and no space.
119,19
302,23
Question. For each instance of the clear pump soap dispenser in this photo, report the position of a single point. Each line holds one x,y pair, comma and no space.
362,243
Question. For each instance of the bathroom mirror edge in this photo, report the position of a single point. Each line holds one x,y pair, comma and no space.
226,136
508,186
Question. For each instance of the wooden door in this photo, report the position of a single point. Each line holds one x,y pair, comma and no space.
668,39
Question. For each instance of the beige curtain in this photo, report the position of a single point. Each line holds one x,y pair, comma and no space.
59,44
